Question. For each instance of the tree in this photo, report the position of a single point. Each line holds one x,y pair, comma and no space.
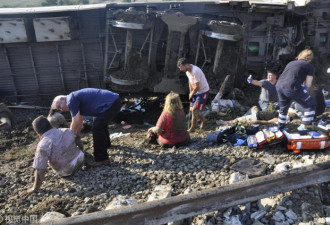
49,3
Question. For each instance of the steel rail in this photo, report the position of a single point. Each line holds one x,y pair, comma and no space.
197,203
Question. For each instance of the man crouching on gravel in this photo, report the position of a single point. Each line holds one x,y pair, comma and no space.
58,148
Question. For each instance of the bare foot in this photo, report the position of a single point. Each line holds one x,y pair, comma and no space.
191,130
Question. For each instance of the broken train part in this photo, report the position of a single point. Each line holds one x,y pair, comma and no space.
134,47
5,117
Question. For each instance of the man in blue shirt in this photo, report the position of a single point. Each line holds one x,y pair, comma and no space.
268,89
101,104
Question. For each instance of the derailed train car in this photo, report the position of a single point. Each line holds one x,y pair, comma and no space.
134,47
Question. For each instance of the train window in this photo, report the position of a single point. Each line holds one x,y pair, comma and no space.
52,29
323,39
12,30
253,49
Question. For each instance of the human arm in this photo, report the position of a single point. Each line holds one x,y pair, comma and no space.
193,90
154,130
77,123
39,176
254,82
308,81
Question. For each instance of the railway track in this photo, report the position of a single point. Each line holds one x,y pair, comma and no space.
197,203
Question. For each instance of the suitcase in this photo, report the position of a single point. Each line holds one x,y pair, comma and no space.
310,141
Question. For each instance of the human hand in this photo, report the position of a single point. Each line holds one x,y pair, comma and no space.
152,130
79,143
27,192
190,96
249,79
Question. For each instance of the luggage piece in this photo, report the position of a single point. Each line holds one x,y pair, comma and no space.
297,142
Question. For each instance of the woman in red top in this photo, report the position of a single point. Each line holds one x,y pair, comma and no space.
171,126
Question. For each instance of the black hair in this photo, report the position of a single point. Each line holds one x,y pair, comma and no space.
41,125
182,61
273,72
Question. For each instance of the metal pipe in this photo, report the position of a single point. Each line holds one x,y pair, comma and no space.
198,45
84,63
168,52
217,56
34,69
60,67
10,70
144,43
128,49
150,45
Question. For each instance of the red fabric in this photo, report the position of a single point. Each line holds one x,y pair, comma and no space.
172,131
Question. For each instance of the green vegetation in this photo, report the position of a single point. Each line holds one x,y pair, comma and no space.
20,3
38,3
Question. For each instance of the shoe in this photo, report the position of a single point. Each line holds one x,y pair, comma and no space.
254,110
100,163
302,128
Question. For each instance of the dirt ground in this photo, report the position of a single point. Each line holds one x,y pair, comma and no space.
136,167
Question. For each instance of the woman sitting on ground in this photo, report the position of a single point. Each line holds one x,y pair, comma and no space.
171,126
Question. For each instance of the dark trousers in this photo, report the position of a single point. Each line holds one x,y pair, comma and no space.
100,131
307,103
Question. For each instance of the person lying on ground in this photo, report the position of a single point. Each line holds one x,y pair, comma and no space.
57,147
5,117
271,117
171,126
222,106
268,89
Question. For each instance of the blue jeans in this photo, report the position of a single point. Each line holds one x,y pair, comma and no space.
101,138
307,103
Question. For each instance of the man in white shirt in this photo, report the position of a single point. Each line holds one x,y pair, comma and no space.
198,91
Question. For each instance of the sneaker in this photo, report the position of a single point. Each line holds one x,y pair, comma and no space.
100,163
302,128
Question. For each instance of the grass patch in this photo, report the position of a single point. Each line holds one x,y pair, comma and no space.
20,3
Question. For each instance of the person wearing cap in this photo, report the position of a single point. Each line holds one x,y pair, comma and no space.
101,104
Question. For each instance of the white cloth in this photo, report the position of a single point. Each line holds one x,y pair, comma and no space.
197,76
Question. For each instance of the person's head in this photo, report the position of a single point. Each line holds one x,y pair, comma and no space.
59,103
306,54
41,125
172,103
183,65
271,76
